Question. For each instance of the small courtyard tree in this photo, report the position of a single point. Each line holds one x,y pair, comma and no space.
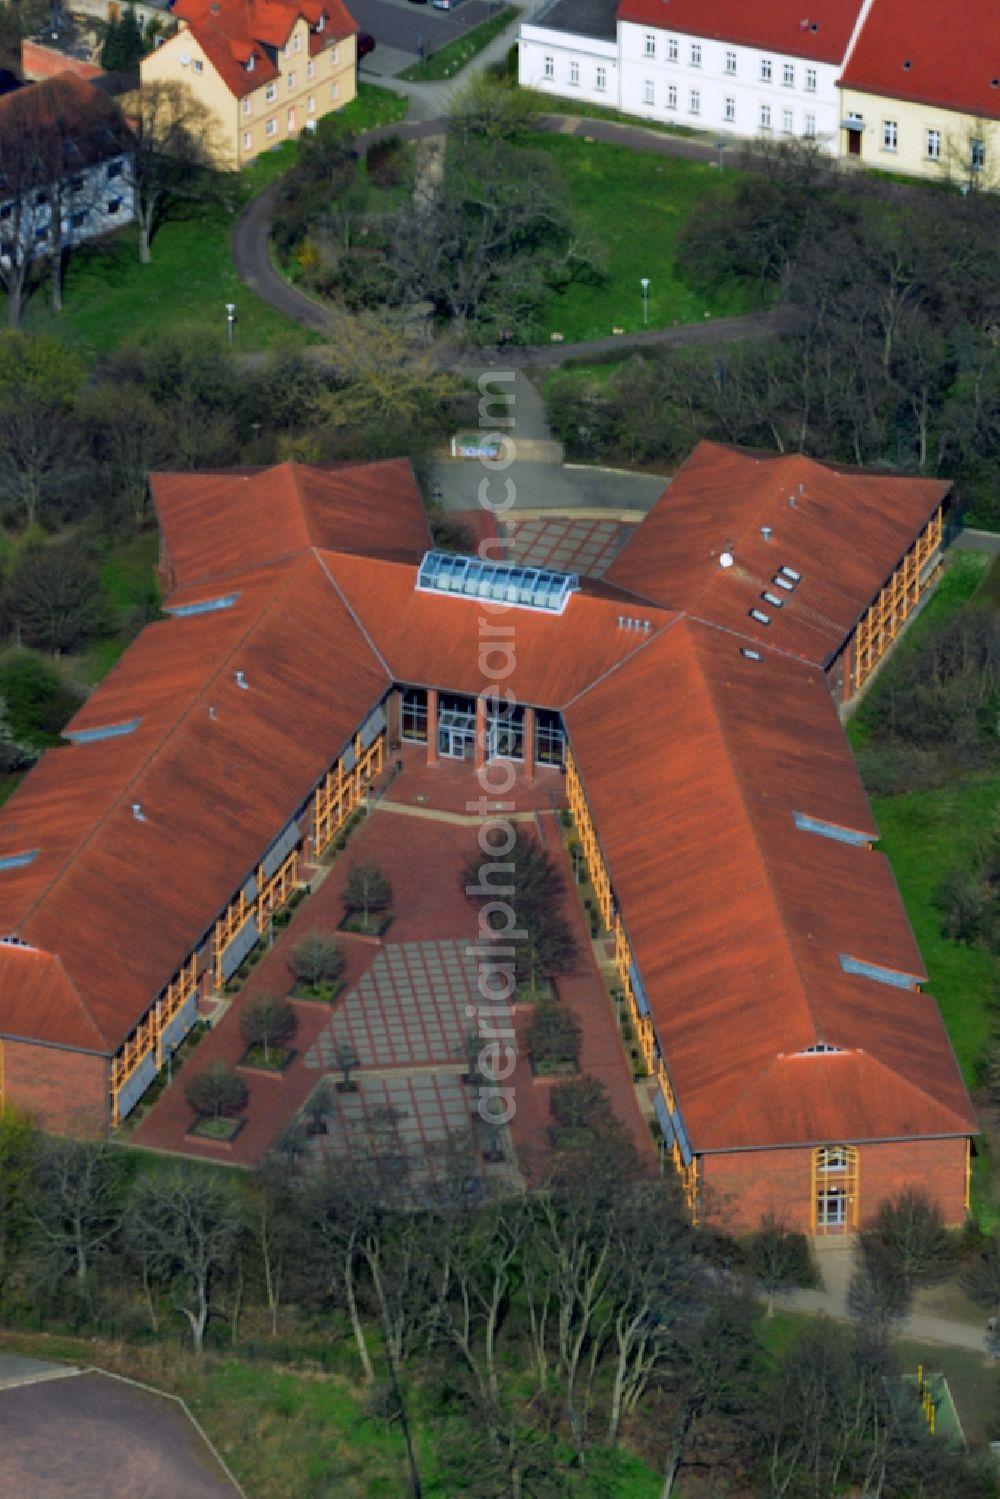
779,1259
316,960
267,1020
367,891
216,1090
554,1038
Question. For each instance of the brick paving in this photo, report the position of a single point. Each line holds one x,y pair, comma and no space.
571,546
404,1008
451,786
411,1009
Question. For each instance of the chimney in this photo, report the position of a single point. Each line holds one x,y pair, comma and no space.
765,531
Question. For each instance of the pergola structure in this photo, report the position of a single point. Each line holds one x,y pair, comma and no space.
690,701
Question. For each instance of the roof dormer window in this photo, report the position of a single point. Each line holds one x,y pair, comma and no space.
321,23
250,63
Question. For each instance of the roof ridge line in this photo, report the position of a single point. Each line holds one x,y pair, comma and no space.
318,554
154,755
764,862
609,671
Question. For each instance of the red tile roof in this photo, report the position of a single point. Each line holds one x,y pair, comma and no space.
818,31
694,759
41,118
844,531
736,918
232,31
214,524
433,640
934,52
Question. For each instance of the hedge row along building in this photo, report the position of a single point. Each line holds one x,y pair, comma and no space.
690,701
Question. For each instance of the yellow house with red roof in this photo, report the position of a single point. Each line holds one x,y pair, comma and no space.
266,69
920,92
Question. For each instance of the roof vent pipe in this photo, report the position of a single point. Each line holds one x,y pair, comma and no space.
765,531
241,681
137,812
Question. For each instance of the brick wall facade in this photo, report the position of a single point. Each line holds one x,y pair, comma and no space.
61,1090
739,1189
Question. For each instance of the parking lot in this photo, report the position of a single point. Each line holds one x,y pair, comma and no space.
401,28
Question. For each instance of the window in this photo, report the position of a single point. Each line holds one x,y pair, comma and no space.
248,105
831,1158
730,62
787,121
933,145
672,96
321,22
977,158
550,742
730,110
270,93
601,79
890,135
78,219
765,70
649,45
76,183
574,72
647,91
311,105
291,80
765,117
810,127
414,716
198,66
247,140
671,49
114,205
6,211
696,54
810,80
310,69
41,199
334,54
695,103
772,598
285,50
42,233
549,67
334,90
788,75
115,169
296,43
271,128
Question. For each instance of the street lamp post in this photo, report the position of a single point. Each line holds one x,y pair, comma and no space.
230,318
722,150
644,283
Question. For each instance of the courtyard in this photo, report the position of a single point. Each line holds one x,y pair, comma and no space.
407,1010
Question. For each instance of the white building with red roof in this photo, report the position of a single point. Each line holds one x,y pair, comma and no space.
921,90
265,69
737,67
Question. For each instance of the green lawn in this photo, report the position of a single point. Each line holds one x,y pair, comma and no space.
925,833
454,56
633,203
578,108
110,299
299,1433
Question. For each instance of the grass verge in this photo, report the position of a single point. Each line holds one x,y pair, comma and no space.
454,56
633,204
301,1432
552,105
110,299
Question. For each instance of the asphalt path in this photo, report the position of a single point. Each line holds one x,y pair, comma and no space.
252,259
399,23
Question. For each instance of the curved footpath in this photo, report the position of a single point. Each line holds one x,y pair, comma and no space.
252,258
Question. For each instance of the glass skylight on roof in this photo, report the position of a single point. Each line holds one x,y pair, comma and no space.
106,731
875,971
496,582
203,606
18,861
806,824
782,582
